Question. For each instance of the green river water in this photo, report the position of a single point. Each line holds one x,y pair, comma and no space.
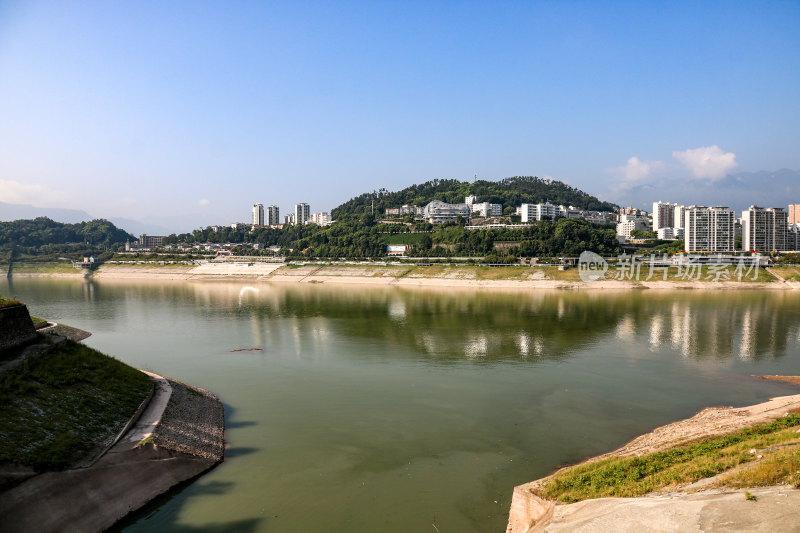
380,409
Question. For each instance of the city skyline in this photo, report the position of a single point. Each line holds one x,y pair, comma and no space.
106,105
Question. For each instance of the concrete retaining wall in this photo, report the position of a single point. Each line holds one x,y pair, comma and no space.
16,327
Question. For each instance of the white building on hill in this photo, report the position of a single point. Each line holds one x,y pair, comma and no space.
532,212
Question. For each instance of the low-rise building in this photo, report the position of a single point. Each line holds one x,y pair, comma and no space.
536,212
485,209
320,219
568,211
629,222
438,212
670,234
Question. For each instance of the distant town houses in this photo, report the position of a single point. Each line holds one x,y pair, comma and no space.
438,212
713,229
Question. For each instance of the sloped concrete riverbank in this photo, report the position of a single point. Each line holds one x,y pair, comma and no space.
185,439
681,509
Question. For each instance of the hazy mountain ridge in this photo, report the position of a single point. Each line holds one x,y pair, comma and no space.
764,188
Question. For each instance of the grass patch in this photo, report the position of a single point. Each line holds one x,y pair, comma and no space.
7,302
776,467
636,476
45,267
106,267
57,408
38,322
706,273
571,274
504,272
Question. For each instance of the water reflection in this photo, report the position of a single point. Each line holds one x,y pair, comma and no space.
459,324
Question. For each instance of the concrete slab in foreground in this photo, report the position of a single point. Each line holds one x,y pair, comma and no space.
775,509
186,440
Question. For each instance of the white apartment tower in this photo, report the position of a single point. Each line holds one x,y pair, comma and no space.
708,229
764,230
301,213
258,214
273,215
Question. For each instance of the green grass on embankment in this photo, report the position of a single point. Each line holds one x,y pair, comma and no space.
58,407
44,267
776,442
7,302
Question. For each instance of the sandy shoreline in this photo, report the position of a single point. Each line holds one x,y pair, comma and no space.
390,276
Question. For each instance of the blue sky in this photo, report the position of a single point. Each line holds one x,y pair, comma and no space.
143,108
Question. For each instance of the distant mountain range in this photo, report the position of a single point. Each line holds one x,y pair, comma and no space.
738,191
163,225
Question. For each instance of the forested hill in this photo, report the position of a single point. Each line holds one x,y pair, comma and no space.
510,192
43,231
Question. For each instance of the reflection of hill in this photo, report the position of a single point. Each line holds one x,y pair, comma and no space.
494,326
447,324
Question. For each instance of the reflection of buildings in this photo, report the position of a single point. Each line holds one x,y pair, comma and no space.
497,327
744,330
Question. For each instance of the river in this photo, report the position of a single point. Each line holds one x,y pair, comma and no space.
381,409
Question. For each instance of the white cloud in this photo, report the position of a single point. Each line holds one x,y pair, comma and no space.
14,192
708,162
636,171
203,201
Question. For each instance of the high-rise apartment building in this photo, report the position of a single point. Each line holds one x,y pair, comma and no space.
708,229
764,230
301,213
258,214
273,215
667,215
794,214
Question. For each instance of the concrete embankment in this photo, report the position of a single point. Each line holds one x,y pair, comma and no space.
185,438
681,509
403,275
